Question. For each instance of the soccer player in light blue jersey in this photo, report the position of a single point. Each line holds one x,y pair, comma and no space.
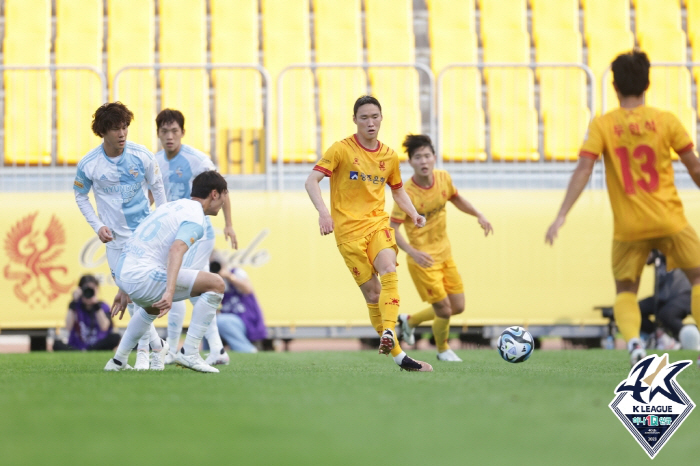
150,270
180,164
120,175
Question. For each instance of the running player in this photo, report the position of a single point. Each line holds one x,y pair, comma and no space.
120,173
359,168
180,164
648,214
430,262
150,271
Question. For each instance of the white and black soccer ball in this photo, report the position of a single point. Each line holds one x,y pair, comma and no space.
515,344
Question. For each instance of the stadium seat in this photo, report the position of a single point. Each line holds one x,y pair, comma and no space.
27,93
605,18
78,93
564,130
389,26
603,47
554,15
503,15
238,93
286,41
657,14
338,38
514,135
183,39
131,41
692,8
451,15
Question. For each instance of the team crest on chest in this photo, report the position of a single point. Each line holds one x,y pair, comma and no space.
382,165
356,161
178,172
133,171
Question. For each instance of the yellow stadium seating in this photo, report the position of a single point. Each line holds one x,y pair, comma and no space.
603,47
692,8
27,93
451,15
514,135
605,17
392,40
237,98
78,93
502,15
657,14
131,41
559,15
183,40
286,41
564,130
338,38
560,87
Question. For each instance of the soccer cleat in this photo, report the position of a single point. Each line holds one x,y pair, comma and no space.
221,358
169,358
194,362
412,365
113,365
141,360
406,330
158,357
386,342
636,350
448,355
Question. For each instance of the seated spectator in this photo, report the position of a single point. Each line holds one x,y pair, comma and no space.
240,318
88,320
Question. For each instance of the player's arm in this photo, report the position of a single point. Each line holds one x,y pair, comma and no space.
155,182
422,258
229,234
404,202
577,184
81,188
175,255
691,162
467,207
313,188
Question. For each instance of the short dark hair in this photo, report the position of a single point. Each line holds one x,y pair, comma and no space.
364,100
168,115
88,279
110,115
413,142
631,72
206,182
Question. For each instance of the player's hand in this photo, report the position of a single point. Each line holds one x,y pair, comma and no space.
230,235
325,222
105,234
553,230
165,303
423,259
485,225
119,304
419,221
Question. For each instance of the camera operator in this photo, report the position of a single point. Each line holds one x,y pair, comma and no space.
88,320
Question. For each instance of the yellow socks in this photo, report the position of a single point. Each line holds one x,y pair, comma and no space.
441,332
627,315
389,305
375,317
420,317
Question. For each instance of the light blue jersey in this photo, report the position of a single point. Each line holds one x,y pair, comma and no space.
180,171
120,186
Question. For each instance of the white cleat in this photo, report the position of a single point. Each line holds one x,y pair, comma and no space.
169,358
158,357
141,360
194,362
222,358
448,355
406,330
689,337
113,365
636,350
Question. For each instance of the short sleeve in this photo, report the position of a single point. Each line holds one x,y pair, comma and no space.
189,232
451,189
679,139
397,215
394,179
329,161
82,183
593,143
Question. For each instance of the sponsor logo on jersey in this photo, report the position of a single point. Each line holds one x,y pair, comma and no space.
103,178
393,302
353,175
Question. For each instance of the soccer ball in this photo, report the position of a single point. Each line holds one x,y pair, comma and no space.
515,344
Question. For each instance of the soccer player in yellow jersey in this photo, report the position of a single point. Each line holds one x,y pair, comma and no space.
635,141
430,262
359,168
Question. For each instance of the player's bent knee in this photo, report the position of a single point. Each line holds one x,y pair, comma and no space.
457,310
212,298
442,310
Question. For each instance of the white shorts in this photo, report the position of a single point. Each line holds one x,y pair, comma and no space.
112,259
146,287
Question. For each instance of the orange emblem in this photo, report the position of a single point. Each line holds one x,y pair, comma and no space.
355,272
393,301
33,255
382,166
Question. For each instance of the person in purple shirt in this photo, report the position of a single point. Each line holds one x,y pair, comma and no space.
240,318
88,320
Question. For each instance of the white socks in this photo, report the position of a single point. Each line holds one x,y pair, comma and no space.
176,317
147,337
213,338
398,359
138,326
203,313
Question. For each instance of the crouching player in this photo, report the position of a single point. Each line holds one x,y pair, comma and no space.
150,271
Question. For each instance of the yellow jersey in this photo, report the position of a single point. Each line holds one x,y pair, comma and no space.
358,177
430,203
635,145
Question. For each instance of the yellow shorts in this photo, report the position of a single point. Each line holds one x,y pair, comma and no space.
359,254
682,250
436,282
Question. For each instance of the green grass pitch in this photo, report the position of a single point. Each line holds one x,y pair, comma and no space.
329,408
